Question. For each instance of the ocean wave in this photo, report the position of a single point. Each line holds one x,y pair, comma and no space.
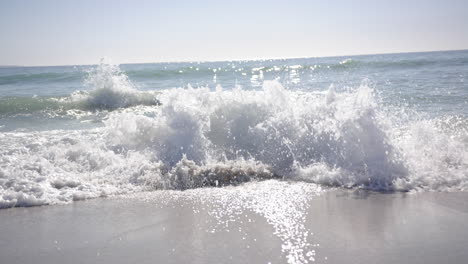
199,137
108,89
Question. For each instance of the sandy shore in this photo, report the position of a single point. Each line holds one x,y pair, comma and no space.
342,226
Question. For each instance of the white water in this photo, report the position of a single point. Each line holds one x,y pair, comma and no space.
198,137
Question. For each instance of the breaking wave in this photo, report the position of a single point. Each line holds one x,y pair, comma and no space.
199,137
108,89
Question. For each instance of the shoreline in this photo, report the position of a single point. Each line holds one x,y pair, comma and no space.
345,226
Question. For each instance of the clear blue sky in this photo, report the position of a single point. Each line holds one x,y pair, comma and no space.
58,32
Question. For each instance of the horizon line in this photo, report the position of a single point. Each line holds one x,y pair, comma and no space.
231,60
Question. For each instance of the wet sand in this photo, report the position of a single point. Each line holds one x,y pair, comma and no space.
347,227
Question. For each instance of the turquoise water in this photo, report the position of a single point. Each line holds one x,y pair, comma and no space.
383,122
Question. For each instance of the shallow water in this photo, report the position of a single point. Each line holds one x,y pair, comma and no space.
259,222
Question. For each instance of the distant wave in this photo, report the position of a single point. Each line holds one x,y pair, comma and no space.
199,137
353,63
40,77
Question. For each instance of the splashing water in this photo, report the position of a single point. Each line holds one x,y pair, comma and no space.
199,137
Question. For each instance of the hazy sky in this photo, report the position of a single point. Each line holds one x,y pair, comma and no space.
57,32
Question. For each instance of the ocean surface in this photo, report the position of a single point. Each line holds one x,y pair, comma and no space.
396,122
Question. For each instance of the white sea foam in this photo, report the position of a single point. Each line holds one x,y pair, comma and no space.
199,137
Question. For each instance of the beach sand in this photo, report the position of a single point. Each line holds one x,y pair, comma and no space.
344,227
